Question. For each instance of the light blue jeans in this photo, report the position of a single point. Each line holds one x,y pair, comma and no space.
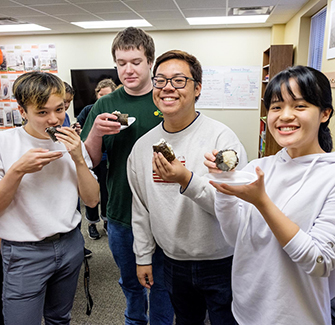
161,311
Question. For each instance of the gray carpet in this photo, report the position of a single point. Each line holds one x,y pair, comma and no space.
109,301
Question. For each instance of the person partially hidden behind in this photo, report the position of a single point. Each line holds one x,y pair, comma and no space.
173,202
40,180
104,87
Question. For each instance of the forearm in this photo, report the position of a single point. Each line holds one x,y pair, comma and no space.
282,227
200,192
87,185
93,146
8,186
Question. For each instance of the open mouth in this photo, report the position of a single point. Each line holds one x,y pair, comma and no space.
288,128
169,99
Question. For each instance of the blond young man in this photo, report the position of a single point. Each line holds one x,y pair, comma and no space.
40,180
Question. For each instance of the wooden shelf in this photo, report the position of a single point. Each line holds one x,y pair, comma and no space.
275,59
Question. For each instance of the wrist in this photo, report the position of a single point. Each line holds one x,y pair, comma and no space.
263,202
186,179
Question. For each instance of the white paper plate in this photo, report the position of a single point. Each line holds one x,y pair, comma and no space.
60,150
236,177
131,120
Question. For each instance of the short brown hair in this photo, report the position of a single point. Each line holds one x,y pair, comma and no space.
104,84
35,88
68,89
191,60
131,38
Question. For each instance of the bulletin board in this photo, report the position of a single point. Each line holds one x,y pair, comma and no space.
230,87
16,60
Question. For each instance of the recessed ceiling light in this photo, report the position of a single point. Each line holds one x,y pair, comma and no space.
227,20
21,28
112,23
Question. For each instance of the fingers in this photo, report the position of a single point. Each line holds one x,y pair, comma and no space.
160,163
210,162
104,124
259,172
144,275
223,188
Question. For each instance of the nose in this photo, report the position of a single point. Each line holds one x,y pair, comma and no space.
53,119
129,68
286,114
169,86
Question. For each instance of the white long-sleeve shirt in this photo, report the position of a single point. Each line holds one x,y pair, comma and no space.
183,225
290,285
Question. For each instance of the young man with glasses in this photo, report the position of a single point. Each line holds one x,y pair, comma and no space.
133,52
173,203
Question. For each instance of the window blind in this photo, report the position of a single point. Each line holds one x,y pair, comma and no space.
318,23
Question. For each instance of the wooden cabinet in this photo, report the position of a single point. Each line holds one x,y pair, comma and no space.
275,59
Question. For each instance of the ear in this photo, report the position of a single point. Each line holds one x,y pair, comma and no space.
198,88
22,112
325,115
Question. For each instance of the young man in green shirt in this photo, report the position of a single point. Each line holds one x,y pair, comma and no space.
133,52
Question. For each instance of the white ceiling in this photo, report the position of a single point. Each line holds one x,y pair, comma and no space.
162,14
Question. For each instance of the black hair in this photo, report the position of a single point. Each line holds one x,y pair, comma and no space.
68,88
314,88
191,60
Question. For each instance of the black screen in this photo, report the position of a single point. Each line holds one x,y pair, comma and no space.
84,82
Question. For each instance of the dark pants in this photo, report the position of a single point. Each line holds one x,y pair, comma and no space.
92,214
1,280
120,240
197,286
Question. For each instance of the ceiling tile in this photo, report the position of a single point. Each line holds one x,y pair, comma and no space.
204,13
39,2
200,4
74,18
58,9
163,14
105,7
18,12
151,5
119,16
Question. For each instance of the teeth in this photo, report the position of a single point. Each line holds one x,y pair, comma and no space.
169,99
285,129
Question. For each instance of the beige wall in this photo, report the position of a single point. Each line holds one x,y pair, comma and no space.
211,47
329,65
297,30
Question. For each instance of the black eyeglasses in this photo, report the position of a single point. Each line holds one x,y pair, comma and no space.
176,82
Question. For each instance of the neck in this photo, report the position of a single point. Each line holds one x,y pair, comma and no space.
140,90
176,123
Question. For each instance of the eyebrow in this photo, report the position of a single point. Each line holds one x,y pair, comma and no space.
123,60
175,75
278,100
42,108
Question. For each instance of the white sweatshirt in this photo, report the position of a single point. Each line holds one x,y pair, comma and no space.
275,285
183,225
46,201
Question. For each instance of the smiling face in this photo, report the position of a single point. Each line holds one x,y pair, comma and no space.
134,71
177,105
294,123
51,114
